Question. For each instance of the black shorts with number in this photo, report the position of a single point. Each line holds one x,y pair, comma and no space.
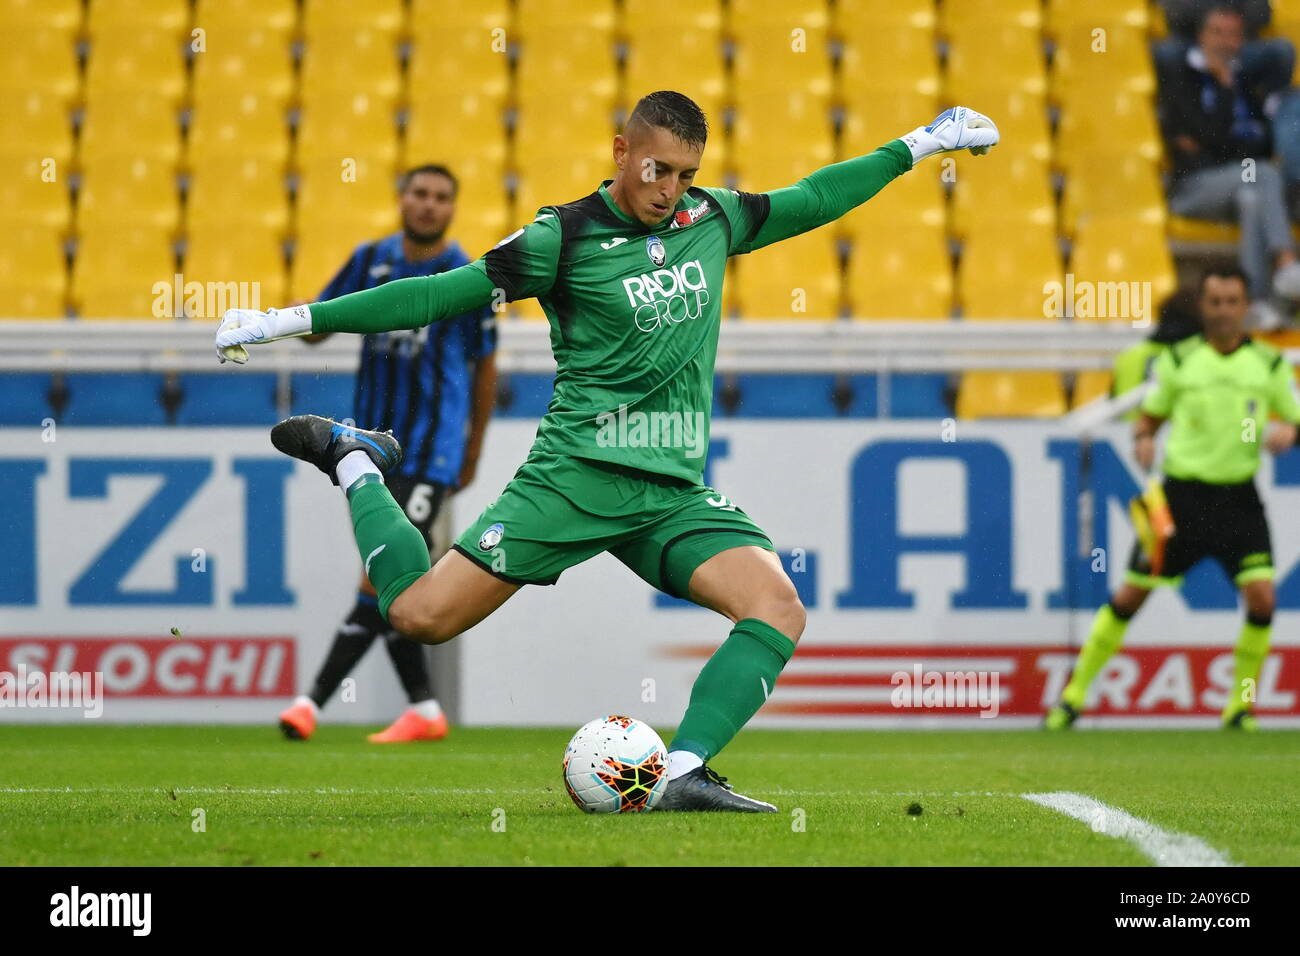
1224,522
421,500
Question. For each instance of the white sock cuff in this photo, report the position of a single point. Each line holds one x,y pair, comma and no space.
428,709
682,762
352,466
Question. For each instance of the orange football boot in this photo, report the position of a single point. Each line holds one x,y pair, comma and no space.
411,726
298,722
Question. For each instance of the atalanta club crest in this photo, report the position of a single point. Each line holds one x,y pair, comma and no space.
491,537
654,248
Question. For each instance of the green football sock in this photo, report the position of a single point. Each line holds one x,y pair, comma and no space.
392,549
1103,640
1252,648
732,687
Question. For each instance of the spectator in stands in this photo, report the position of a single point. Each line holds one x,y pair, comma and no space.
1267,65
1213,123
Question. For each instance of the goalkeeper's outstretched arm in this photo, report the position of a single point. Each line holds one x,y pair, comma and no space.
402,304
833,191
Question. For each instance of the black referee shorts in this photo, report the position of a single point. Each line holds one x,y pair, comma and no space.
1223,522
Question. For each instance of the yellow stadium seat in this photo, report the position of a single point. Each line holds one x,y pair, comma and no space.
126,191
780,58
892,59
998,56
126,61
109,16
33,272
319,255
576,129
247,262
22,17
688,16
1112,116
326,18
339,67
132,126
562,181
274,16
1063,15
1094,57
242,126
238,192
1286,19
453,130
532,16
798,278
456,64
695,69
900,274
359,127
1113,184
123,273
1182,229
762,161
958,17
478,226
1003,273
1117,258
29,197
238,61
1001,191
362,194
42,60
916,199
36,125
919,14
762,14
555,64
996,394
446,17
1090,384
1021,116
873,118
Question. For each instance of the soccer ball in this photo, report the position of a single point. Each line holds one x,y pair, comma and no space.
615,765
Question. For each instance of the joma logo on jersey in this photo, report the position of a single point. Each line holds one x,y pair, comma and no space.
667,295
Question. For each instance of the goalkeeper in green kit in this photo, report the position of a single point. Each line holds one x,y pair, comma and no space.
630,279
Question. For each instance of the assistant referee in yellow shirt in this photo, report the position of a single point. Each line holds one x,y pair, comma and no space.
1217,390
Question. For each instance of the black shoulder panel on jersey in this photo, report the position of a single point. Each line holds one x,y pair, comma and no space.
504,268
757,205
573,218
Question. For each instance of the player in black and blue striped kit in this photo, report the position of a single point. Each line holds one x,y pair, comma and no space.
434,387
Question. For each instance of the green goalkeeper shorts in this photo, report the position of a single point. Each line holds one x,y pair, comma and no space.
558,511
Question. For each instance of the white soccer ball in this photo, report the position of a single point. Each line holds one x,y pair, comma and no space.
616,765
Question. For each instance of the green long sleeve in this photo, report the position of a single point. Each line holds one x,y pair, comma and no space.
830,192
406,303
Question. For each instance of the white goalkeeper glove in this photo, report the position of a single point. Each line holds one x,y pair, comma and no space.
241,327
957,128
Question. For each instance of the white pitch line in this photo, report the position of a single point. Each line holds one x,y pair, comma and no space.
1164,847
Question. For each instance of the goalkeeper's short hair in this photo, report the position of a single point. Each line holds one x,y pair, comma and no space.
678,114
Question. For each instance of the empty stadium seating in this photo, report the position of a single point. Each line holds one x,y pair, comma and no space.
218,135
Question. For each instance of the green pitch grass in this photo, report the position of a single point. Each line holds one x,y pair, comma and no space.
105,795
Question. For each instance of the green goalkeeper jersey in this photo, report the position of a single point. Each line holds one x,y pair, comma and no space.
634,310
1219,406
